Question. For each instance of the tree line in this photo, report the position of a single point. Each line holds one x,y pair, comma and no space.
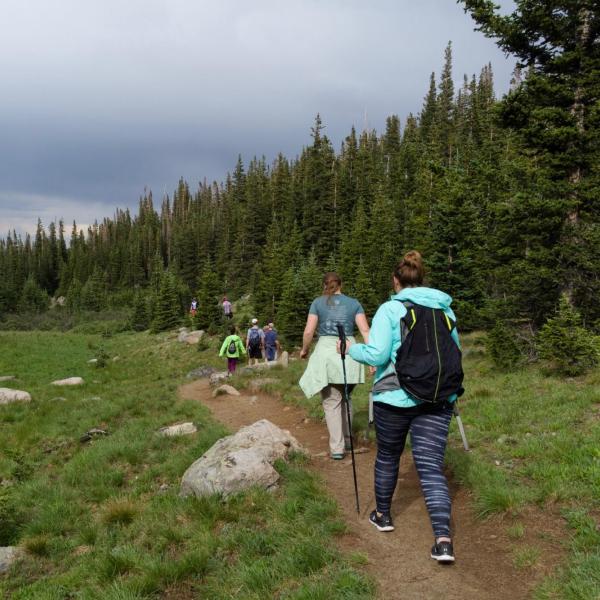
500,196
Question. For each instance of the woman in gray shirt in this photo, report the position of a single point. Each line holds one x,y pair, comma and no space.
324,372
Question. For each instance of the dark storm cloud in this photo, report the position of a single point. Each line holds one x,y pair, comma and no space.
104,98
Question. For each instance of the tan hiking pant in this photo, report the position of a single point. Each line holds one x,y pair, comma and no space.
336,416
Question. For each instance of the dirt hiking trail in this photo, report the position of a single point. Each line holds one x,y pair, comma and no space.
399,561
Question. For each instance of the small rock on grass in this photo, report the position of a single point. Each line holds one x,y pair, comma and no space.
7,377
8,555
260,382
225,389
178,429
92,433
8,395
69,381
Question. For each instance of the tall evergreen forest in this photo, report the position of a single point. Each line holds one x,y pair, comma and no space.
501,196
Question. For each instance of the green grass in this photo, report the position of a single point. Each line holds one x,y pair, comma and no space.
103,518
535,444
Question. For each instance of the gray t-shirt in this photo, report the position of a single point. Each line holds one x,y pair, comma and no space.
335,309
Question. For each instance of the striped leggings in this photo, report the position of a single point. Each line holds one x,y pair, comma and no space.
428,428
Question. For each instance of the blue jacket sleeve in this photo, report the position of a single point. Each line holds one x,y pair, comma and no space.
378,351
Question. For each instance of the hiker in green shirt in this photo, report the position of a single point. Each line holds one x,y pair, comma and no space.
232,347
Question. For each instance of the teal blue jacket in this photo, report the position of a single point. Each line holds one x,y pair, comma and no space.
384,338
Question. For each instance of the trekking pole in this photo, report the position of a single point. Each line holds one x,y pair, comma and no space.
460,425
342,336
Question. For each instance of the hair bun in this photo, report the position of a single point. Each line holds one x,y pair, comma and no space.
410,272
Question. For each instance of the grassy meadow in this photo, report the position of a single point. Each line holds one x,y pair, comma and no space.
103,519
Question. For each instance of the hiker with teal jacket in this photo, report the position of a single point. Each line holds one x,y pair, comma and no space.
232,347
397,412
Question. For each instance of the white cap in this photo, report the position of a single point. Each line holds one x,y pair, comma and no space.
254,321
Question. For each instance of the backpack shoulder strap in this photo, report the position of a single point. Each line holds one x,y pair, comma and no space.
409,320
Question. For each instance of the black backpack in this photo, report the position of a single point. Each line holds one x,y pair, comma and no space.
428,362
232,347
254,339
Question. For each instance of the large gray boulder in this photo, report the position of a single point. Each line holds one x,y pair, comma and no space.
240,461
190,337
8,395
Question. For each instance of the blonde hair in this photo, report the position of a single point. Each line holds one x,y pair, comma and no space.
410,271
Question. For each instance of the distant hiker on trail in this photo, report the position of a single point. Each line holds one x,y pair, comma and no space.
324,370
193,307
254,342
414,322
272,346
232,348
227,312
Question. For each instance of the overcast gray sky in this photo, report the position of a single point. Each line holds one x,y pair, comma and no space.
101,98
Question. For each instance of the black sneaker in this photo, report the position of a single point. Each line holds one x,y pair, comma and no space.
383,522
443,552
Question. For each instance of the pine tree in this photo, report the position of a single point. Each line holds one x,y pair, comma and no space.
564,343
167,310
74,296
93,293
140,313
554,111
301,286
208,295
33,297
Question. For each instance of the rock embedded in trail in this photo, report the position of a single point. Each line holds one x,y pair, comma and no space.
240,461
8,395
178,429
69,381
8,555
201,372
218,377
225,390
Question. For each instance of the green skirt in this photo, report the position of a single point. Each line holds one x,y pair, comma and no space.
325,367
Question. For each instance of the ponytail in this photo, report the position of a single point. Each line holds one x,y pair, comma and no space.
410,271
332,282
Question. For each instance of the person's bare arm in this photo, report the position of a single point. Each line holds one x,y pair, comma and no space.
309,332
363,326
